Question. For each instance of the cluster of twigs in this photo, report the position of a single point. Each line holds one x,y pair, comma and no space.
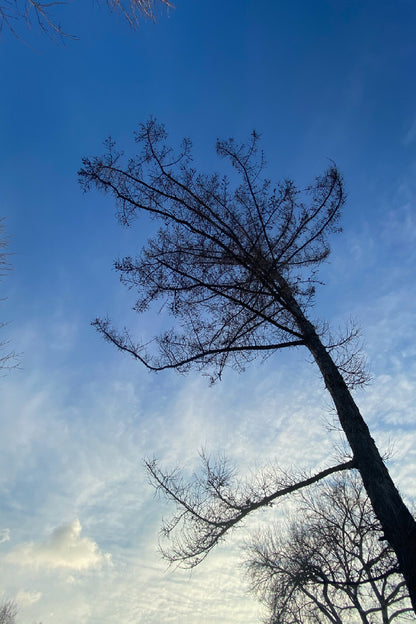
43,14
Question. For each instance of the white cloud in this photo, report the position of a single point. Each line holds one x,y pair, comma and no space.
64,548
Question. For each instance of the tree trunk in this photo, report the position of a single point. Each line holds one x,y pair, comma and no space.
397,522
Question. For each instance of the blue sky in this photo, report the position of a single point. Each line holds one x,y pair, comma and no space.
329,79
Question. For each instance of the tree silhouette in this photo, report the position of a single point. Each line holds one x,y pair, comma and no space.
236,264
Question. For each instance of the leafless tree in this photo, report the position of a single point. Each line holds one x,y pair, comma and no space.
43,14
330,566
237,268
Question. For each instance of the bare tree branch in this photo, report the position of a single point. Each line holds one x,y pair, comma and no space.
14,12
135,10
125,343
42,14
213,502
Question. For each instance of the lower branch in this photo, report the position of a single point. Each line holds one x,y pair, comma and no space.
212,504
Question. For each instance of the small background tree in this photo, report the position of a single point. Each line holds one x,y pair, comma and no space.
332,565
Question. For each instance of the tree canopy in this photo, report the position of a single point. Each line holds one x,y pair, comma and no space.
223,259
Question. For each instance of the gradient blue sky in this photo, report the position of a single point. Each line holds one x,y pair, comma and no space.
328,79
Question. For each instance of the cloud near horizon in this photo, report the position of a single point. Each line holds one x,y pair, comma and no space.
64,548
